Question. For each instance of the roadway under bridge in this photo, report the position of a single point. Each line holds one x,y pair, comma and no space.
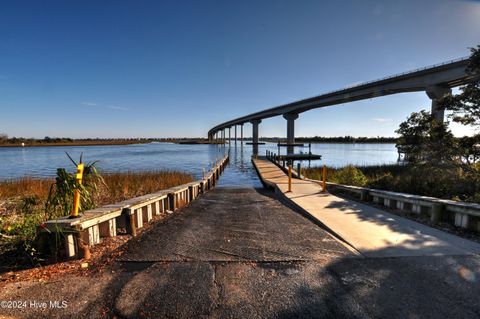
437,81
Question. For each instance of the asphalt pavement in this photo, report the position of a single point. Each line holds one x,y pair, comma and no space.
240,253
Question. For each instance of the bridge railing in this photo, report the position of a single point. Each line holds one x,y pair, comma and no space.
87,230
397,75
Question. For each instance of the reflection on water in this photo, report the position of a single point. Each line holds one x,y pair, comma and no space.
43,161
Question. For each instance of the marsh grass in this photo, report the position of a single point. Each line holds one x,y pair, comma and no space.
121,186
23,205
442,181
371,172
26,186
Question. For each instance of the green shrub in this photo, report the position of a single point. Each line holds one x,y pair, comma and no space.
386,181
350,175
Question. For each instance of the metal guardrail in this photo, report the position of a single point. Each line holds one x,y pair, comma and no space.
396,75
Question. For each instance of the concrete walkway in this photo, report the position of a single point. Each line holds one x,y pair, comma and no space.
371,231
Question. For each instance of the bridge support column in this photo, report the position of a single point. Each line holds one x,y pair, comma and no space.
290,117
241,133
229,135
255,124
235,134
435,93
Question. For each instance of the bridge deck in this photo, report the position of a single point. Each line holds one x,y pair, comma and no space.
373,232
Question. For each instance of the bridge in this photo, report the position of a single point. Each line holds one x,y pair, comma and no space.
437,81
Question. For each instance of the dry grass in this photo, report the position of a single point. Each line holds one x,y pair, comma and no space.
26,186
121,186
118,186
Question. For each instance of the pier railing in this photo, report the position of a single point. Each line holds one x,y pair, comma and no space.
87,230
460,214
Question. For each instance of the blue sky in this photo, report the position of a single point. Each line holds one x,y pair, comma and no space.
177,68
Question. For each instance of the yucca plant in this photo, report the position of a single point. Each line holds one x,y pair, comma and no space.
60,197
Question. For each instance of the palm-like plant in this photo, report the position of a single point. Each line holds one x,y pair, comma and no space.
60,197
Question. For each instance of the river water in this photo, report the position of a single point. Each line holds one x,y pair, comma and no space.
43,161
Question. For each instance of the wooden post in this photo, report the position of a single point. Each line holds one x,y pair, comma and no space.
289,178
130,218
139,217
364,195
191,197
83,248
70,246
108,228
171,201
324,182
436,215
76,195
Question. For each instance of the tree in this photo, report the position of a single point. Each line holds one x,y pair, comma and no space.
425,140
469,148
3,138
465,106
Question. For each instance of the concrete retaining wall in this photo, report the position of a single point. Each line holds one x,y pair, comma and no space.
461,214
87,230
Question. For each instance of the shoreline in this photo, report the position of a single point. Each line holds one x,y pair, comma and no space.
180,142
105,143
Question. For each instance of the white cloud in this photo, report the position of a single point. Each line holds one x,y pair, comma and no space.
116,107
381,120
109,106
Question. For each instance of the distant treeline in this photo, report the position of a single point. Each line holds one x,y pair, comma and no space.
348,139
66,141
60,141
339,139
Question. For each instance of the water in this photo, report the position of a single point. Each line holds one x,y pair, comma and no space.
43,161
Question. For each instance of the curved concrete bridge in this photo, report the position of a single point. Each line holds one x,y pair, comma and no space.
436,81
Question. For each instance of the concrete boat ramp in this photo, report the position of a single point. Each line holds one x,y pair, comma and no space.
371,231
